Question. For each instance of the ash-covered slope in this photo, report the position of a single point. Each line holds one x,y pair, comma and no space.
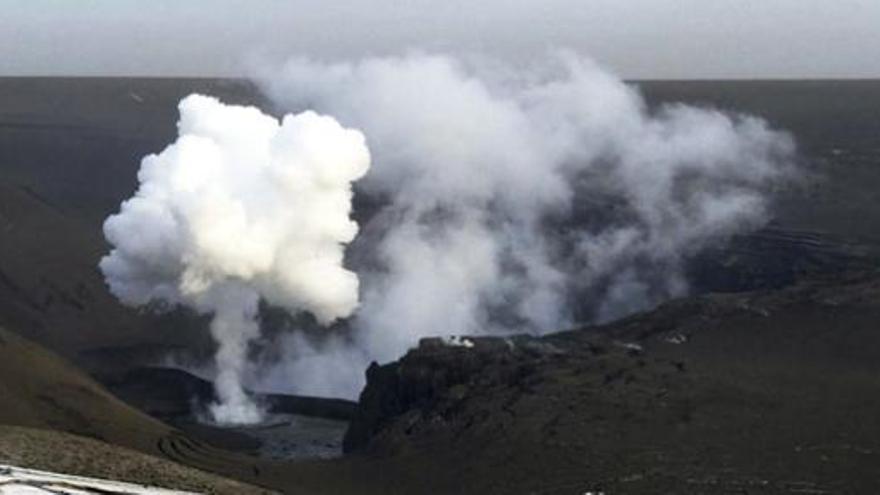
762,392
48,405
50,290
67,454
39,389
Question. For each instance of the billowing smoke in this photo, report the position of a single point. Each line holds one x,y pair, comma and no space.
241,208
510,200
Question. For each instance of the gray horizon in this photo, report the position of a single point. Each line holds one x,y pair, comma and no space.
638,40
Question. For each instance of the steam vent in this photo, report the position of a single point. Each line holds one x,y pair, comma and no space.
448,248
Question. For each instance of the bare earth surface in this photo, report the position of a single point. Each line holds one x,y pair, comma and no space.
763,392
766,383
66,453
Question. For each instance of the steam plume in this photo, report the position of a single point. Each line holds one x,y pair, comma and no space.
239,208
520,200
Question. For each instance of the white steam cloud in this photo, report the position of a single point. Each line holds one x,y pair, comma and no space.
505,200
241,208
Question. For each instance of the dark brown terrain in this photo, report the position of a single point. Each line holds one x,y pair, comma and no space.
766,381
767,392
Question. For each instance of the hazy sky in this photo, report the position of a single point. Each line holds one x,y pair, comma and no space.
635,38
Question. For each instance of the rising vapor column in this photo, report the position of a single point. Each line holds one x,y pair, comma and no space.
241,208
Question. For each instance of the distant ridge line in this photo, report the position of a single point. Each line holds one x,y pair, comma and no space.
246,80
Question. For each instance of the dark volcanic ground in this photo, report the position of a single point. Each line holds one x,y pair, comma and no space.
768,392
766,383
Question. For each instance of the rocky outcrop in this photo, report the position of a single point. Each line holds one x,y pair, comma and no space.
430,382
765,392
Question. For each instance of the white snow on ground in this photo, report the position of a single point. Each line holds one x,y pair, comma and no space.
458,341
21,481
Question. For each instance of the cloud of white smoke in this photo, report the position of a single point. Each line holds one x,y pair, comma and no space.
241,208
507,200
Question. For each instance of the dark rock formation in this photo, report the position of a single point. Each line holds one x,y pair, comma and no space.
432,381
764,392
